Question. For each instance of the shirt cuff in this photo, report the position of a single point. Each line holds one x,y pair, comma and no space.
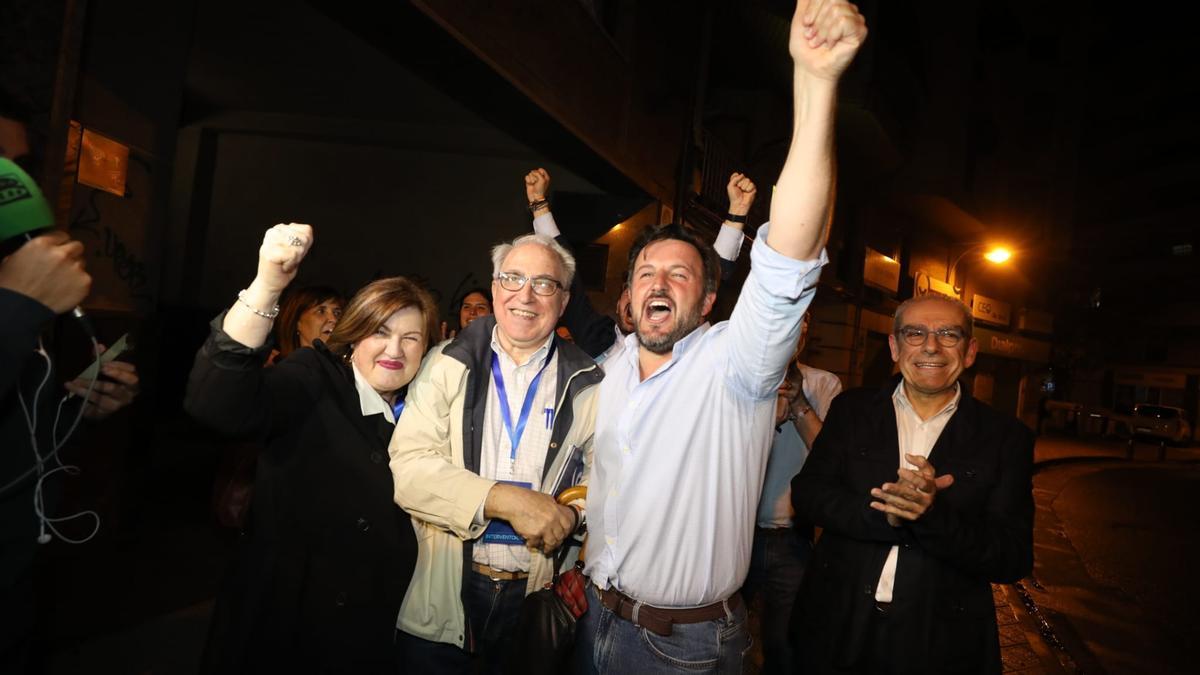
729,242
545,224
786,276
479,520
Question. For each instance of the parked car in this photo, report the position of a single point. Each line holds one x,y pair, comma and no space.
1160,422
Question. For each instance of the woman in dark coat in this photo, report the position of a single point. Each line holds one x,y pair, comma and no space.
327,556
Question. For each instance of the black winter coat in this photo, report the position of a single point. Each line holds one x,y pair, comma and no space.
979,530
328,556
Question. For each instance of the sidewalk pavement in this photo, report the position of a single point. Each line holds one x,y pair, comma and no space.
1022,648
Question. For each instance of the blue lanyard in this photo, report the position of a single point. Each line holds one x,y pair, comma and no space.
514,435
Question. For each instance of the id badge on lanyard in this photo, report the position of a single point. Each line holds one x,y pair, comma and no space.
500,531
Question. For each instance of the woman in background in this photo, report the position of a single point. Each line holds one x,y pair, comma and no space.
476,302
306,314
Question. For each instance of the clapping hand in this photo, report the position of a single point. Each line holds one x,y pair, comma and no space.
911,496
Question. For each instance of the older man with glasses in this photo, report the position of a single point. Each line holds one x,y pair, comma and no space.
899,580
490,423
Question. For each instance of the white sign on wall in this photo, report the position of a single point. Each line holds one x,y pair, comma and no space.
924,283
991,310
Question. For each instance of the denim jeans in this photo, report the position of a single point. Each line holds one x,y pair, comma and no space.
606,643
492,609
776,567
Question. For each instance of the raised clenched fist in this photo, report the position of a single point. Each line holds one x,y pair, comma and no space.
741,192
537,185
283,247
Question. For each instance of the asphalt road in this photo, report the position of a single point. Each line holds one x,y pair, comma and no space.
1117,546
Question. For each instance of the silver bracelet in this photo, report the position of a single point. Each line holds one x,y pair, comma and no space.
794,415
266,315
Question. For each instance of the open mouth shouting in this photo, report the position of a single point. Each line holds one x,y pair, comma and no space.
662,323
658,311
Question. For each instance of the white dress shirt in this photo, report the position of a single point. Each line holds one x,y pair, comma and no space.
917,437
679,457
496,451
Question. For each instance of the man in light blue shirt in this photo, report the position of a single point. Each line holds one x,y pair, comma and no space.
684,417
781,544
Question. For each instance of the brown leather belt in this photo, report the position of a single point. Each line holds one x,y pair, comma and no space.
498,575
659,620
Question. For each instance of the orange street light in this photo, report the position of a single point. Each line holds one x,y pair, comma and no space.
997,255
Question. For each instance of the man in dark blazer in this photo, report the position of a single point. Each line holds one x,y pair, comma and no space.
899,580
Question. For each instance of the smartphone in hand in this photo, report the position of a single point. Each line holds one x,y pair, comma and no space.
119,347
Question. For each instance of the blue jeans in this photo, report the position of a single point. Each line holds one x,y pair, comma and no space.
606,643
776,567
492,609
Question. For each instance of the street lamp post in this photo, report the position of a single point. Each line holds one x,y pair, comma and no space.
997,255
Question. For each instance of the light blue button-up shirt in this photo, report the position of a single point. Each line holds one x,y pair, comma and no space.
788,451
679,458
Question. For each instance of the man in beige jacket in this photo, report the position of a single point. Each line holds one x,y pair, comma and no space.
493,422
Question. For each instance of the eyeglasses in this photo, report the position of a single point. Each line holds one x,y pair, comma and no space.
510,281
946,337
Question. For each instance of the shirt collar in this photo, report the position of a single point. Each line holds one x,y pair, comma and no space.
369,400
901,398
537,357
677,351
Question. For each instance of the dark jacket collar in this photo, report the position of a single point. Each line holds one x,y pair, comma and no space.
340,377
955,440
473,348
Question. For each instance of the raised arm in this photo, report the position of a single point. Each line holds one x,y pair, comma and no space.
252,315
786,262
825,36
593,332
741,191
228,389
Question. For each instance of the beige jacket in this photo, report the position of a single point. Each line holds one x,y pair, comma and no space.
434,472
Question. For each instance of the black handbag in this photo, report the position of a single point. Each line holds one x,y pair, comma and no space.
544,636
